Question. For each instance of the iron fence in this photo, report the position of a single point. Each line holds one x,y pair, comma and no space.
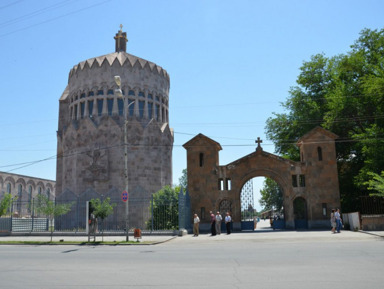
372,205
23,216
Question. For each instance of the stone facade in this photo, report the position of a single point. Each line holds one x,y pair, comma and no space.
92,115
313,180
25,188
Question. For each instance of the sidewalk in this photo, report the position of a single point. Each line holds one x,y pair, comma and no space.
145,239
260,235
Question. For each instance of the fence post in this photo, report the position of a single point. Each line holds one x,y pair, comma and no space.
11,214
152,213
33,213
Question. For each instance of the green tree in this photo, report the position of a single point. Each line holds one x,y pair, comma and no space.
5,204
183,180
102,209
271,195
51,210
376,184
344,94
165,209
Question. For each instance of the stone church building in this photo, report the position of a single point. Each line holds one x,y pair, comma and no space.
90,136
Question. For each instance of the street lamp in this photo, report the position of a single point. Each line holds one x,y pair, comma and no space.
120,94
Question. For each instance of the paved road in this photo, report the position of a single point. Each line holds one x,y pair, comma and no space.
274,259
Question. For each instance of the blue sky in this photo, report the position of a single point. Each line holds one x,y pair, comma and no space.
231,64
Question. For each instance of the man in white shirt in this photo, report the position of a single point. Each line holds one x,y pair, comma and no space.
196,222
228,221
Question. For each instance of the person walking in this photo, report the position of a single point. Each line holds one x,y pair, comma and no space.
333,221
338,220
196,223
228,221
213,223
218,218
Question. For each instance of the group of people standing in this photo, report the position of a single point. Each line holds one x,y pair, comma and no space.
215,223
336,221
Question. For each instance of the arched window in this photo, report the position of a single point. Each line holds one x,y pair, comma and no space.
99,107
8,188
20,190
150,107
48,193
319,153
131,107
90,108
110,105
141,109
39,190
82,109
29,193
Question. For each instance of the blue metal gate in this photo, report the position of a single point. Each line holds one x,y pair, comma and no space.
185,218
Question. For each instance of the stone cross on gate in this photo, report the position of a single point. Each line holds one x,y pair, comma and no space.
258,141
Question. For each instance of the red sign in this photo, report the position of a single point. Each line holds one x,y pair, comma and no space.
124,196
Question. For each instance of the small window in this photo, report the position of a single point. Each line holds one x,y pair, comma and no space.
141,94
220,184
319,153
157,98
324,207
91,93
39,190
201,159
131,92
228,184
294,181
202,213
302,180
82,95
110,92
150,96
100,92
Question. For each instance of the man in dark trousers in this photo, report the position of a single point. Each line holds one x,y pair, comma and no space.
228,221
213,223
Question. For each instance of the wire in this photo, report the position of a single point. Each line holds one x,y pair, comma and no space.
10,4
55,18
26,164
35,13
